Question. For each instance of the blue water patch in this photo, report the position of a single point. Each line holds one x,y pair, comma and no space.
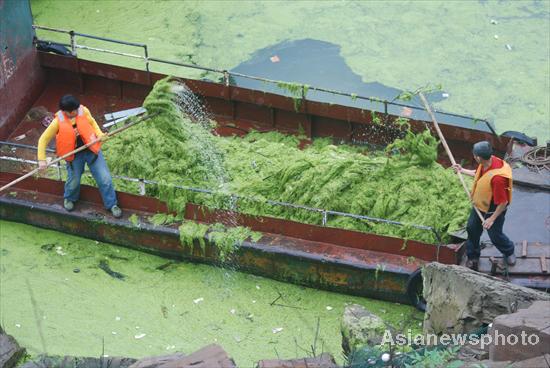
319,63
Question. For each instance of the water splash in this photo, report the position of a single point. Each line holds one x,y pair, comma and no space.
189,105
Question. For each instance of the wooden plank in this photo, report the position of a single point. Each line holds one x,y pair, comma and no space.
530,266
524,249
543,266
534,249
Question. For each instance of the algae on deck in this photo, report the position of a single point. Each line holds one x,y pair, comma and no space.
409,186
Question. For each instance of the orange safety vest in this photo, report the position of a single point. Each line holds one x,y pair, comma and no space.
65,140
482,191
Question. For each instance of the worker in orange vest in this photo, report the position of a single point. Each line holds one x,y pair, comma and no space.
73,127
491,194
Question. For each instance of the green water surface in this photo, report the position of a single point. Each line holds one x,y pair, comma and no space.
49,308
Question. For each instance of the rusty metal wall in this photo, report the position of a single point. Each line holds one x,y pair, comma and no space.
21,77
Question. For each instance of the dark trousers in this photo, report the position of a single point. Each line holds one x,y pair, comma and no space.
100,172
475,229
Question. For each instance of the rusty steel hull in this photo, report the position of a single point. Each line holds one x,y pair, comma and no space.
357,266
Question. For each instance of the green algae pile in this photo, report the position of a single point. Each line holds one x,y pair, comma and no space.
404,44
161,306
402,184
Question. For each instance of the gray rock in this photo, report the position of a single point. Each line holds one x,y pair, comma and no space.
324,360
360,327
529,325
10,351
211,356
78,362
157,361
537,362
459,300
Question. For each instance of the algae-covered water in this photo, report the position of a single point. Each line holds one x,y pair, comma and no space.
50,308
491,57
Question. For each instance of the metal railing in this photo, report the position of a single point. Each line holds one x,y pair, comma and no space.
226,75
235,197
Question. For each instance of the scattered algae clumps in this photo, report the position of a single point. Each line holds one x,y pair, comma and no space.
227,239
403,183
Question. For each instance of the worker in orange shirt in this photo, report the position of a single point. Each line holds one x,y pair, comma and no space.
73,127
491,194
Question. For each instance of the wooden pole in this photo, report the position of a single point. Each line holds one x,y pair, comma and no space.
81,148
449,153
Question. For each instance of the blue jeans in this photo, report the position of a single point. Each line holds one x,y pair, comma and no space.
100,172
475,229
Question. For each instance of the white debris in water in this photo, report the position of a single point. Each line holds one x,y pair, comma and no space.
17,325
385,357
59,250
258,287
253,302
170,347
142,335
508,47
494,21
445,95
496,37
232,311
329,308
371,361
137,327
198,300
117,318
96,242
277,330
113,332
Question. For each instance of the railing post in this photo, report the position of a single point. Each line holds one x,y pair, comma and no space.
146,57
386,107
141,184
59,171
226,78
325,219
73,42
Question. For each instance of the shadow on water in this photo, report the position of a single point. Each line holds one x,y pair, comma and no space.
319,63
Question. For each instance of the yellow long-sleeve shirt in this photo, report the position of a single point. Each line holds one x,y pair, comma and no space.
53,128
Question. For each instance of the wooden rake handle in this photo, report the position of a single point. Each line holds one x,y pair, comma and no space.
449,153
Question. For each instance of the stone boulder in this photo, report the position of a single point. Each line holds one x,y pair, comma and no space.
10,351
531,326
542,361
324,360
211,356
459,300
45,361
360,327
